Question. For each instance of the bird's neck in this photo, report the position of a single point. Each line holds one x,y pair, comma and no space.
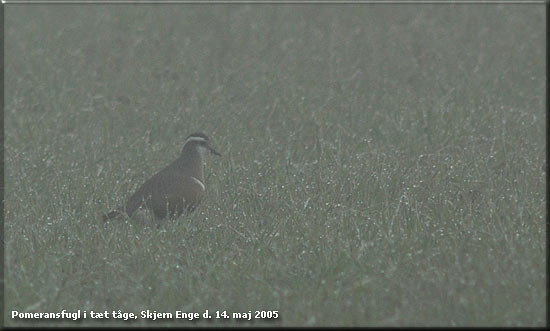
190,161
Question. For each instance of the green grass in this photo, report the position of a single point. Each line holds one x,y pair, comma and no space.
383,165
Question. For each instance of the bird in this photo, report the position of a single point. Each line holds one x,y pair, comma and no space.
176,189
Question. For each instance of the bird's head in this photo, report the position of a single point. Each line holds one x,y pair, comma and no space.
200,142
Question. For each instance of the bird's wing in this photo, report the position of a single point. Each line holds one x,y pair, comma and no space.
174,193
142,196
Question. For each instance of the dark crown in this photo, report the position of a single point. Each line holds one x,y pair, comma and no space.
198,135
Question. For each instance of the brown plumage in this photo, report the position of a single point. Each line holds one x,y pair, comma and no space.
176,189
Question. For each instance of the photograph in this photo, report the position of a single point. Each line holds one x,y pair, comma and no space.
274,164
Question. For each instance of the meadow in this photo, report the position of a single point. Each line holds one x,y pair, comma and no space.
383,165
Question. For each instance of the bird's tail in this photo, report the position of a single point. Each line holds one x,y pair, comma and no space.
112,214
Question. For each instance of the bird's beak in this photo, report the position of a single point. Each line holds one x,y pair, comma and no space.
213,150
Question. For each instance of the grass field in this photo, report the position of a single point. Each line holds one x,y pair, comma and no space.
384,165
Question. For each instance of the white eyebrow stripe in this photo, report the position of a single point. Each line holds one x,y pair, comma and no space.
194,139
199,182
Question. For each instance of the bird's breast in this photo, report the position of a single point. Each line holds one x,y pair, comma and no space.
198,182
